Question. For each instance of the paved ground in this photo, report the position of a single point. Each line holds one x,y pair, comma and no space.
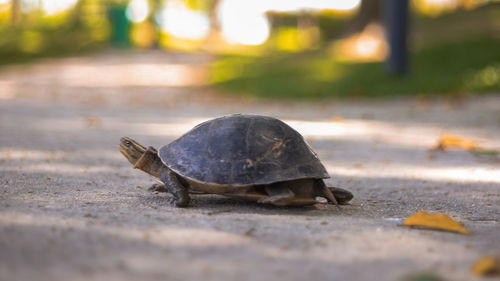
72,208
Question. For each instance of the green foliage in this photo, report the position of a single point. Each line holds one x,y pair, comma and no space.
470,66
78,30
21,45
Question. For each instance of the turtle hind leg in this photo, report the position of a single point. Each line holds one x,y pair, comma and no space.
323,191
279,195
335,195
174,186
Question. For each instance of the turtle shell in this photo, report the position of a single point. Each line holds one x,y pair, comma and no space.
242,150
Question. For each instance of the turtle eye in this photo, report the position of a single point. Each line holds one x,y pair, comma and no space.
127,143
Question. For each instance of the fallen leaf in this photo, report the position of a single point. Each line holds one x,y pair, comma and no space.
434,221
431,155
486,265
93,122
448,140
337,118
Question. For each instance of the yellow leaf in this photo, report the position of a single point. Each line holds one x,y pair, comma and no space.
435,221
486,265
449,140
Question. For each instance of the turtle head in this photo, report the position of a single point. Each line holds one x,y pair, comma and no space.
131,149
142,158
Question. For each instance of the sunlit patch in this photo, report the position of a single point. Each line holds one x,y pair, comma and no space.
50,7
436,7
5,5
254,31
310,5
137,10
25,154
12,153
174,128
388,135
245,22
7,89
173,75
287,39
369,45
182,22
418,172
485,78
361,130
61,169
54,6
226,69
143,34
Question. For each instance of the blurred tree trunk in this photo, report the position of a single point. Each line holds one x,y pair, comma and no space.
369,12
156,6
308,29
16,11
77,14
214,21
213,33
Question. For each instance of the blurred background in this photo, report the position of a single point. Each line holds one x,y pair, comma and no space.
421,132
274,49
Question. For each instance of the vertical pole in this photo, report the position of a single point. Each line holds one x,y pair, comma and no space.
119,25
16,11
396,19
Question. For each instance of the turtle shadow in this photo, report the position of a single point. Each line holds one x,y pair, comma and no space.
212,204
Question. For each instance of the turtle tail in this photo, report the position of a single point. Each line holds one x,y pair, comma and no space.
341,195
323,191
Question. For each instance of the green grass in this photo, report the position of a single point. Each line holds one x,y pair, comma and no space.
465,67
23,45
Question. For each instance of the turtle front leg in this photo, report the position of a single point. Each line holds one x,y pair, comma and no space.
172,183
160,187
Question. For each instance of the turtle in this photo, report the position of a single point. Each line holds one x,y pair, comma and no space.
254,157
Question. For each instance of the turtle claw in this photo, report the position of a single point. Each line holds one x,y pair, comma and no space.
171,201
184,202
176,202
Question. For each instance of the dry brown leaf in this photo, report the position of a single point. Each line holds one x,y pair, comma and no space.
431,155
448,140
486,265
93,122
435,221
337,118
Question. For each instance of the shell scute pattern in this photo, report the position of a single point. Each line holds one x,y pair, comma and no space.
242,150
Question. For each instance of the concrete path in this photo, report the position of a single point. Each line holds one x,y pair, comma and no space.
72,207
